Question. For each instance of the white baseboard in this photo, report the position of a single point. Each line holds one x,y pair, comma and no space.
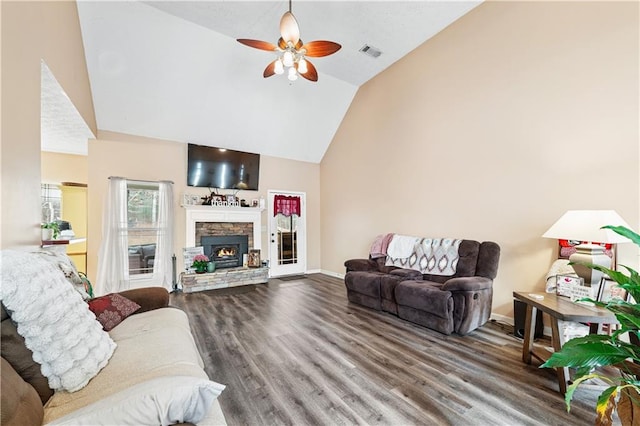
332,274
509,320
501,318
314,271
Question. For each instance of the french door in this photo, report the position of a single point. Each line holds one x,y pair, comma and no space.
287,233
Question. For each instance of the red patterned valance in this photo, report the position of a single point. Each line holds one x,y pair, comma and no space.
286,205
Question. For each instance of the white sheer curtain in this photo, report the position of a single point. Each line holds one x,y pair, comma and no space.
113,257
162,270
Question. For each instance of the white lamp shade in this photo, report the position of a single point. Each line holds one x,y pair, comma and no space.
584,225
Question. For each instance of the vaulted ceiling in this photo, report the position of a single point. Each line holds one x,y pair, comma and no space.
174,70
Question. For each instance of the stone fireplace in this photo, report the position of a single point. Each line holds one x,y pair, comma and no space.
223,221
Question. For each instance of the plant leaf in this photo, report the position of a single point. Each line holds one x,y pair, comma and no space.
605,405
588,354
625,407
589,338
577,382
625,232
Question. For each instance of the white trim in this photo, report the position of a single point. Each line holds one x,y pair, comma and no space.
223,214
332,274
501,318
508,320
302,234
313,271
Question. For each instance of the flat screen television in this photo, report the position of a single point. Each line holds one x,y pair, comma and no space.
213,167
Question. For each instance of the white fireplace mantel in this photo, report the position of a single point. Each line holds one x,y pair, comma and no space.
221,214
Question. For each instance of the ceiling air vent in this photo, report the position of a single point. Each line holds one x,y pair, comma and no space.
374,52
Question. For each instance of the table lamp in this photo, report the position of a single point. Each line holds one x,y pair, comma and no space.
585,226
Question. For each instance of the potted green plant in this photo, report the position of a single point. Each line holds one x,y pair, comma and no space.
587,353
200,263
50,231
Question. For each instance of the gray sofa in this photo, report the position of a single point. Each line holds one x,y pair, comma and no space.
141,258
457,303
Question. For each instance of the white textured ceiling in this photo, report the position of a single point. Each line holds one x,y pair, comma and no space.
62,128
173,69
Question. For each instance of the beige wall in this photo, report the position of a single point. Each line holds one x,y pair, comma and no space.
32,31
57,168
114,154
491,130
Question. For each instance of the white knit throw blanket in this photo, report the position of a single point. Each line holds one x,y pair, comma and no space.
57,325
434,256
438,256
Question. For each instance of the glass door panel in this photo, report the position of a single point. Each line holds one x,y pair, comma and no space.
287,253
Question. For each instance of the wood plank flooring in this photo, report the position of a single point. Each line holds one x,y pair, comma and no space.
296,352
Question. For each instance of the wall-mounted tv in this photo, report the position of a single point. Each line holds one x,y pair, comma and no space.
212,167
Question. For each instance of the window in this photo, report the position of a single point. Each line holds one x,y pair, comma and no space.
51,202
142,226
287,239
137,238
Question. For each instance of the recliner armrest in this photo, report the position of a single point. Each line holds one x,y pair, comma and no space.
467,284
361,265
149,298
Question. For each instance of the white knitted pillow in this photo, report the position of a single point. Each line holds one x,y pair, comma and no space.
64,336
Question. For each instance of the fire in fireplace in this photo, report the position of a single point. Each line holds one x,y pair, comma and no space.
225,250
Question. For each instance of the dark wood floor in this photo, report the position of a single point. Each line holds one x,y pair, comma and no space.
296,352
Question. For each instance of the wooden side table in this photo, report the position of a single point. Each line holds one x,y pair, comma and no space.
558,308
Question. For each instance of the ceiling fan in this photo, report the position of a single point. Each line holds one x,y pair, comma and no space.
292,52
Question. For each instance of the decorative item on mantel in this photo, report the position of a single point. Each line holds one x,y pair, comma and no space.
200,262
189,254
211,267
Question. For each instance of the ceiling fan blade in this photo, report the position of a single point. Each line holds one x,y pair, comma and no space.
319,48
311,74
289,28
258,44
270,69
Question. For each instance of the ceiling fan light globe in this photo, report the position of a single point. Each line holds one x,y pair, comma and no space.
292,74
289,28
279,67
287,58
302,66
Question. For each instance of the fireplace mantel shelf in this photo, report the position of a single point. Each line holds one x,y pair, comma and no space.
223,208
